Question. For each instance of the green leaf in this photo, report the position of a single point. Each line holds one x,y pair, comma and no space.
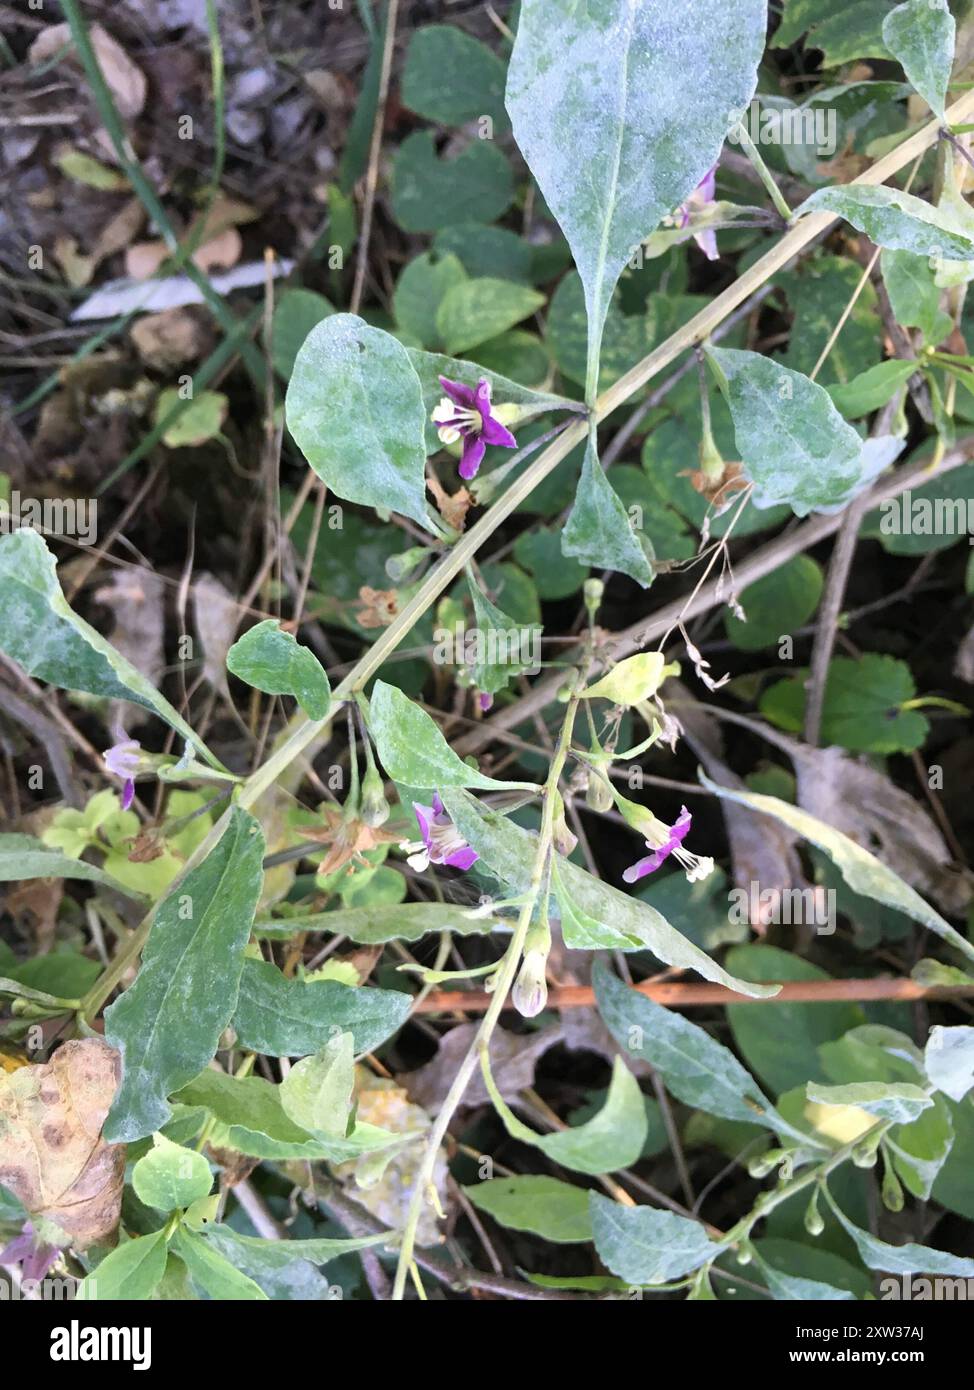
903,1259
285,1269
949,1060
630,681
863,705
920,36
626,338
201,420
697,1069
295,314
413,751
170,1177
794,444
539,550
281,1017
129,1272
842,31
646,1246
250,1117
355,408
914,294
23,857
874,387
213,1272
502,649
419,293
542,1206
493,251
42,634
611,1140
591,89
612,920
167,1024
429,193
779,604
372,926
780,1044
598,531
317,1092
790,1287
892,219
452,78
271,660
471,311
862,871
886,1100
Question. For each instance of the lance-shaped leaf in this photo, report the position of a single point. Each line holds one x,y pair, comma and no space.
267,1261
795,446
902,1259
605,105
863,872
374,925
168,1023
788,1287
598,531
413,751
602,918
502,648
556,1211
43,635
698,1070
893,219
213,1272
291,1018
920,35
129,1272
896,1101
646,1246
610,1140
22,856
355,408
272,660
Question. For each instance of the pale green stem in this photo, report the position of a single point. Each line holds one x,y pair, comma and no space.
505,979
763,172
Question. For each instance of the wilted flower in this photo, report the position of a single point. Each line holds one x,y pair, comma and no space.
465,413
663,840
375,808
34,1257
122,760
702,197
442,842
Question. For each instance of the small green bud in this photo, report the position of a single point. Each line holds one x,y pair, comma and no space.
399,567
814,1224
375,807
593,589
598,793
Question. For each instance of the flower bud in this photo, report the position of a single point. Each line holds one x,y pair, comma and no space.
562,838
814,1224
593,589
530,993
375,808
399,567
598,793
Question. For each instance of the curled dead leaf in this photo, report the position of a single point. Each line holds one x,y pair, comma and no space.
52,1155
126,81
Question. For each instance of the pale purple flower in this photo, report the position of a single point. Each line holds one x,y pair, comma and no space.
122,760
442,842
484,701
665,840
465,413
34,1257
702,197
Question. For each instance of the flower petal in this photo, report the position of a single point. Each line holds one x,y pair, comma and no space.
494,432
462,858
424,816
472,457
459,394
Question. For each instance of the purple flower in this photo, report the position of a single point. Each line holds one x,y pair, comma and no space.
122,760
702,197
665,840
484,701
34,1258
442,843
465,413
